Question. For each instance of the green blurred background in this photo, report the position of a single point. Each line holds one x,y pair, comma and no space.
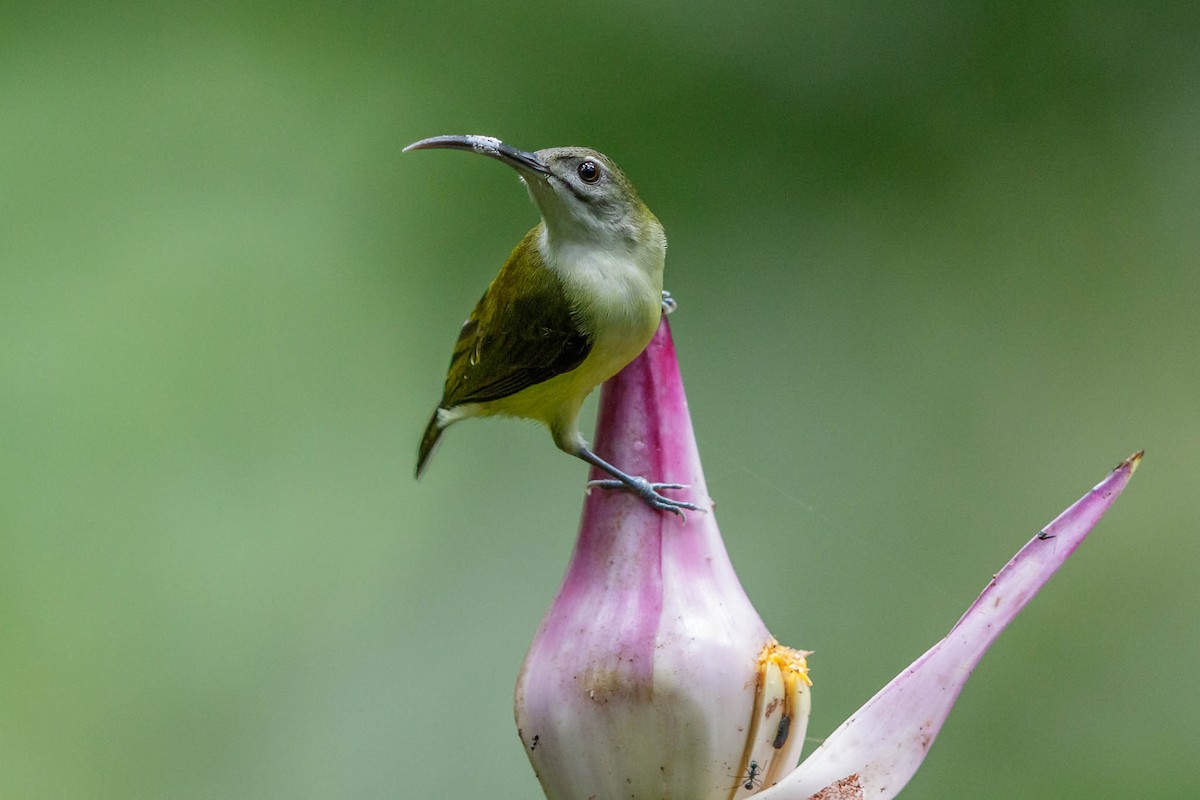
937,273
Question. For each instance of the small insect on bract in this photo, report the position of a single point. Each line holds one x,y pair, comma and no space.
752,780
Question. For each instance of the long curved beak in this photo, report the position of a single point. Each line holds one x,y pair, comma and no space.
487,146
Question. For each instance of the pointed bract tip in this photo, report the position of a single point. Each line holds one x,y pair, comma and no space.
881,745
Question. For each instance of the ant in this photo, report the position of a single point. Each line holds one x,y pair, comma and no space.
752,779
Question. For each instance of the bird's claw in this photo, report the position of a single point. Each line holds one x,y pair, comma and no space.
668,302
649,493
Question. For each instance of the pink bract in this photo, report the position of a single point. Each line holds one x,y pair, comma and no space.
641,682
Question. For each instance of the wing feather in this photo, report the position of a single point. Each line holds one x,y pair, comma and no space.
521,333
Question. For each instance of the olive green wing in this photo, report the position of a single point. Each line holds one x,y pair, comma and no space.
520,334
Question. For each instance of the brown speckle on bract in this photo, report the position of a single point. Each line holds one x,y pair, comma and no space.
848,788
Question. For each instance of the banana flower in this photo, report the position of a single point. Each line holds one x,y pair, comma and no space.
652,677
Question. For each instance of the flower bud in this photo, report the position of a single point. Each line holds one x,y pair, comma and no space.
652,676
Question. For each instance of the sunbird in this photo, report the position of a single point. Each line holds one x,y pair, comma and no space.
578,299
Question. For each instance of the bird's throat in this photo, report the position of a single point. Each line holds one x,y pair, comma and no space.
615,294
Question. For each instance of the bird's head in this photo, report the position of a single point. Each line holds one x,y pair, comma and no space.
582,195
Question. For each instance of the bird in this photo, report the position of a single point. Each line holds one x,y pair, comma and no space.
579,297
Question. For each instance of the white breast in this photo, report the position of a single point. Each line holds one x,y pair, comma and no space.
616,294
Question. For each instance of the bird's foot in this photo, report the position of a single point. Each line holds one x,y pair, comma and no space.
649,493
668,302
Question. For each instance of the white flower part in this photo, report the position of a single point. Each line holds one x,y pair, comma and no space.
875,752
780,720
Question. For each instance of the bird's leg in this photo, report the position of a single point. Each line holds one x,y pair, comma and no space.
668,302
647,491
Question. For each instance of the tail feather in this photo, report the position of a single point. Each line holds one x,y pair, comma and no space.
433,432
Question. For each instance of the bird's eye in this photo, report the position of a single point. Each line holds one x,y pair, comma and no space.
589,172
